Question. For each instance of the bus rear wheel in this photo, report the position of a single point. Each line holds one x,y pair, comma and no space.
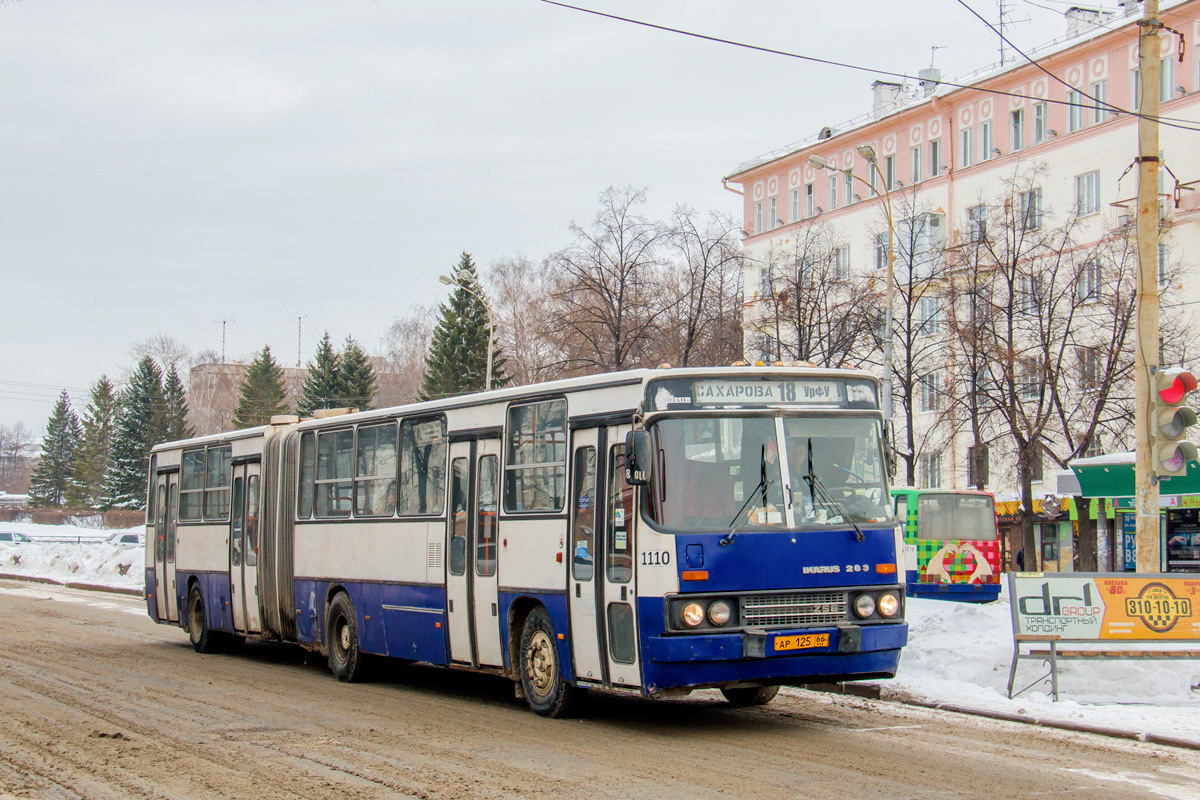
546,692
341,640
750,695
203,640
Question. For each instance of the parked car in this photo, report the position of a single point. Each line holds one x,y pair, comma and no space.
12,537
130,538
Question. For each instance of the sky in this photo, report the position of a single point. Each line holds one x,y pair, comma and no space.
165,166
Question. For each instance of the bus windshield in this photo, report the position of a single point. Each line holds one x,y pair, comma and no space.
724,473
970,517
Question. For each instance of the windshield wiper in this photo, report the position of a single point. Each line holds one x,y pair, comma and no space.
815,486
763,483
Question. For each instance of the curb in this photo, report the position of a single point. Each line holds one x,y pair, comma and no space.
875,692
91,587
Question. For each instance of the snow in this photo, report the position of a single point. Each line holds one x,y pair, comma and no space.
957,653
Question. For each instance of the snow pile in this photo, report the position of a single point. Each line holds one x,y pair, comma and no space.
86,558
959,654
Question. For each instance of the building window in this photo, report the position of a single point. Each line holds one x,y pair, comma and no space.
916,164
881,250
985,141
1031,209
1095,447
833,191
1166,79
889,172
848,185
929,391
1089,281
1089,367
809,200
935,158
758,228
1041,124
966,147
1026,297
1017,129
773,210
841,263
1100,95
766,280
1087,193
977,223
795,205
929,470
929,316
1074,111
1027,383
804,272
1135,88
872,174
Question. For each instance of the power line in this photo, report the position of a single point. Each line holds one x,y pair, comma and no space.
1171,121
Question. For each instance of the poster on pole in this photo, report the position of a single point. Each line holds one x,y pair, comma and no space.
1105,606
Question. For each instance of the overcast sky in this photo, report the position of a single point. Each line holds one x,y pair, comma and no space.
167,165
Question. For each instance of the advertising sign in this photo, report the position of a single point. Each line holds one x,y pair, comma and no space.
1105,606
1129,542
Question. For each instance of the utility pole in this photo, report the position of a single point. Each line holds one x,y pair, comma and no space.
1146,349
299,334
224,323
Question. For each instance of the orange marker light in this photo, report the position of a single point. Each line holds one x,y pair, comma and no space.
437,624
885,569
694,575
561,637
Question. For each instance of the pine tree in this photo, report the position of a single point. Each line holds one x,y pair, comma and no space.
457,360
322,383
95,452
357,382
48,486
175,408
263,395
139,426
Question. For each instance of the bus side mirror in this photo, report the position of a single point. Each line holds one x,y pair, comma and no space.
638,458
889,450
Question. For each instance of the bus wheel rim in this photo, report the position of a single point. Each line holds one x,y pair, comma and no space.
541,663
343,636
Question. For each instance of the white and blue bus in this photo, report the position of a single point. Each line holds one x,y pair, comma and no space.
648,531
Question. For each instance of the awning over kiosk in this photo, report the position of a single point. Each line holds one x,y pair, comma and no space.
1113,476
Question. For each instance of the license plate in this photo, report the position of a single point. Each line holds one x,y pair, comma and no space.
802,642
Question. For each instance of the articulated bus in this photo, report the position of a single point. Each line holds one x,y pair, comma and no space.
951,542
648,531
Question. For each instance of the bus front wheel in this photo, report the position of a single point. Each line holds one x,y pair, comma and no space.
341,640
546,691
751,695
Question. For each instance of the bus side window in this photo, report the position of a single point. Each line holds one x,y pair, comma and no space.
485,527
583,527
620,513
902,511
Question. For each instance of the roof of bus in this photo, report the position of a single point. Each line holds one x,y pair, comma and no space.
584,383
938,490
227,436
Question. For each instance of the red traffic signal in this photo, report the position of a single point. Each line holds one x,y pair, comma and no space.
1174,383
1169,421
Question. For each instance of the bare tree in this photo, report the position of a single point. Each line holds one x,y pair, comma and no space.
523,295
404,347
609,300
163,348
702,290
16,457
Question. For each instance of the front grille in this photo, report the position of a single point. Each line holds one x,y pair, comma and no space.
808,608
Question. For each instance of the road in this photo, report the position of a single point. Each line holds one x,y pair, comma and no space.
98,702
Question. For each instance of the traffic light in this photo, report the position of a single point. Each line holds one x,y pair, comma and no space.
1169,448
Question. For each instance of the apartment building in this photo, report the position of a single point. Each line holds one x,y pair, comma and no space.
1020,150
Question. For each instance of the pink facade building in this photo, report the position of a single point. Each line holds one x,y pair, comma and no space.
956,165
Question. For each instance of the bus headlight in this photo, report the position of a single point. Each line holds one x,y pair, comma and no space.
719,613
864,605
888,604
692,615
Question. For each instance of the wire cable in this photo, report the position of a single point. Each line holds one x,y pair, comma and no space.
1172,122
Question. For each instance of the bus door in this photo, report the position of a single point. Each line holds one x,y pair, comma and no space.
484,579
584,599
243,548
459,620
619,546
161,590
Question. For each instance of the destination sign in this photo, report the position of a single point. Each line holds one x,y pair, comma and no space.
713,393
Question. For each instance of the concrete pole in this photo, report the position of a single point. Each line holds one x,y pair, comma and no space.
1146,348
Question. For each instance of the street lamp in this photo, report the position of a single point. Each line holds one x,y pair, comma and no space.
446,279
868,154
